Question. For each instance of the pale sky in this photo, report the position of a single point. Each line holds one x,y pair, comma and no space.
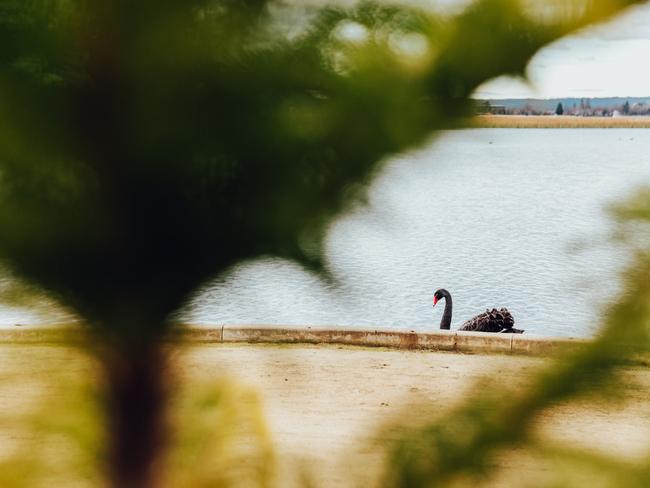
612,59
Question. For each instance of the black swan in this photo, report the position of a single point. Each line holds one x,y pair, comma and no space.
490,321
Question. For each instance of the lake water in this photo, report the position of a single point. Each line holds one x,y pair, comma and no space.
500,217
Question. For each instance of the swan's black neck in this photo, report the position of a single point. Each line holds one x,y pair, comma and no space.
445,323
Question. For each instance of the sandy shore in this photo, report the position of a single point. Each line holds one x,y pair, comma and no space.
324,404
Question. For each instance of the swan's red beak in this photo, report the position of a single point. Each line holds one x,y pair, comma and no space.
435,300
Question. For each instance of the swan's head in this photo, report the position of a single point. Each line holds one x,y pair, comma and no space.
438,295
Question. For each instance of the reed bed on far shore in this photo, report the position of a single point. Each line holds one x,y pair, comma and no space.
558,122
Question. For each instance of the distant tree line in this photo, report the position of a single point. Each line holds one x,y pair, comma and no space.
581,109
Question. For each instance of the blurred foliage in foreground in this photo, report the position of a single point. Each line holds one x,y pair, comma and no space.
53,434
146,147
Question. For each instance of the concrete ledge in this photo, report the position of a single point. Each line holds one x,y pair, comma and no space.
437,340
540,345
193,333
368,336
483,342
42,335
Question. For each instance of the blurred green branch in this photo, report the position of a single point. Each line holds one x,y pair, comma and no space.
575,467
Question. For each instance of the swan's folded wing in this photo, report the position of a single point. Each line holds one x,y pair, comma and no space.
491,321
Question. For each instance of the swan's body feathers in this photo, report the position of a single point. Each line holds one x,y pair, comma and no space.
492,321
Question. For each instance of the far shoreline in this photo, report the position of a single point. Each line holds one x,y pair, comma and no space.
557,122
